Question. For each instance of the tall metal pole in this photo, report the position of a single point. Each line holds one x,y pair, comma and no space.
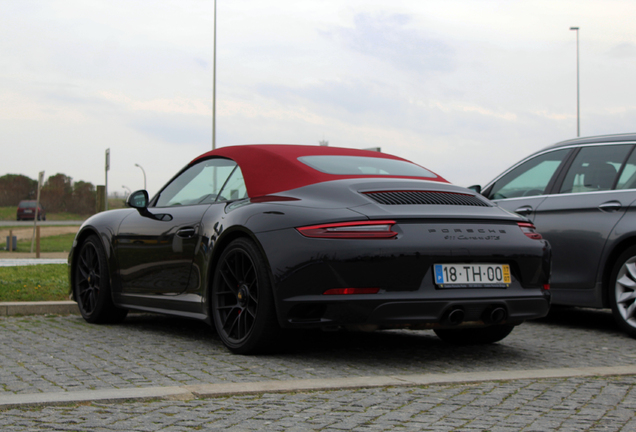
214,85
106,179
578,113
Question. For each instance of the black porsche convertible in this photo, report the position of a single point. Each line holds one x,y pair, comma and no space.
256,239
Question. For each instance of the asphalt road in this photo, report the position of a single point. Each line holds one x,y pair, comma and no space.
48,355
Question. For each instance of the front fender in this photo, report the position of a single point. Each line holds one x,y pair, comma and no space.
103,225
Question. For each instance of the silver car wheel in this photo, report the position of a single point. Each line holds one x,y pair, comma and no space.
625,291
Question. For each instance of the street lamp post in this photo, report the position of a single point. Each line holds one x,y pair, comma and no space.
143,171
214,84
578,115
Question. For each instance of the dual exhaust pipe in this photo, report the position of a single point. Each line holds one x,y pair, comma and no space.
492,315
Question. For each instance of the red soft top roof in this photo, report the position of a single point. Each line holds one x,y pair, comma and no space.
272,168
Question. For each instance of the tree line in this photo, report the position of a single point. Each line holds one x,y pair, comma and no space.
59,193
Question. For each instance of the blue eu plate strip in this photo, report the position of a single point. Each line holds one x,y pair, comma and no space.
439,274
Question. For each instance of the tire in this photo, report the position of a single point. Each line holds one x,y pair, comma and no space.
243,308
622,291
475,336
91,285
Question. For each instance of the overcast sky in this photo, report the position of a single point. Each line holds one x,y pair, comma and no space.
464,88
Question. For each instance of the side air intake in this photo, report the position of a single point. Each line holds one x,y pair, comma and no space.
425,198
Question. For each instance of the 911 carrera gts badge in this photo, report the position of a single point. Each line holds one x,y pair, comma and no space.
469,233
463,237
467,230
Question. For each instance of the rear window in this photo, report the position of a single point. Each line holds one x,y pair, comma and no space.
360,165
26,204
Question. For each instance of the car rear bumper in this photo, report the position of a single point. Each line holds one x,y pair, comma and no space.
400,271
413,313
29,216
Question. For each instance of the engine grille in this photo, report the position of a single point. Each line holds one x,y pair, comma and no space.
425,198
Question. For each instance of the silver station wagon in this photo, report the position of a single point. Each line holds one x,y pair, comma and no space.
581,196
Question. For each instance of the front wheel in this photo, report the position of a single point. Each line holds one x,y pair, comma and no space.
91,285
242,300
475,336
622,293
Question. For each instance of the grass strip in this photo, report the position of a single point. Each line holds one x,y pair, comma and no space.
44,282
10,213
59,243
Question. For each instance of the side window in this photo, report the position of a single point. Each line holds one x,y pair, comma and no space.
595,169
199,184
530,178
234,187
628,176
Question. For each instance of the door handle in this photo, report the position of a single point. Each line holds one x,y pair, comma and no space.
610,206
524,210
186,232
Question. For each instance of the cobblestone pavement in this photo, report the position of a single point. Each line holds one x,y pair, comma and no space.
594,404
53,354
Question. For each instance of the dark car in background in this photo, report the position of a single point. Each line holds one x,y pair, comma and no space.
581,196
26,210
254,239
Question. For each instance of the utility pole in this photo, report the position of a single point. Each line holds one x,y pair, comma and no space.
578,117
214,85
106,181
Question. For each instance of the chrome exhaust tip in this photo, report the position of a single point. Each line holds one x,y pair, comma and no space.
454,317
495,315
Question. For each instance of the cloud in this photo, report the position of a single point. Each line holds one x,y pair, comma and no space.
392,38
174,129
354,97
623,50
176,105
373,104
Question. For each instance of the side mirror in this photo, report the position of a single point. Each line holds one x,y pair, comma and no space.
138,200
475,188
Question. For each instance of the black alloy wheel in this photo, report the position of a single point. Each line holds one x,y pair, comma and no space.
91,285
622,291
242,300
475,336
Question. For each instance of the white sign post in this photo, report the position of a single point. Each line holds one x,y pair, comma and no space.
37,207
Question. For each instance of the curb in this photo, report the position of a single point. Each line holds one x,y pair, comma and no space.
232,389
67,307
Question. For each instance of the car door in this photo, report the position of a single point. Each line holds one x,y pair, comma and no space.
578,218
155,249
522,189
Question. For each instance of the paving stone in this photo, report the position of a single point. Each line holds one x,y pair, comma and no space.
56,354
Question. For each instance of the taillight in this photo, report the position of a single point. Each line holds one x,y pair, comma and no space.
351,230
347,291
529,230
